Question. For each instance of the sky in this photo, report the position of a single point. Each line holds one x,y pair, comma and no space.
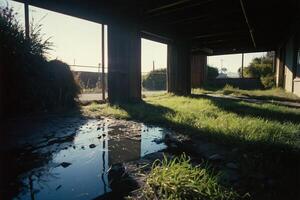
77,41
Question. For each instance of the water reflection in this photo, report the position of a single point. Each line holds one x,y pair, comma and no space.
79,168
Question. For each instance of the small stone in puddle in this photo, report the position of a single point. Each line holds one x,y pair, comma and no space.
65,164
82,147
57,188
99,137
216,157
92,146
98,128
103,134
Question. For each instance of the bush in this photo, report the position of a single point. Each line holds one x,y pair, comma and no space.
268,81
155,80
261,68
212,72
28,81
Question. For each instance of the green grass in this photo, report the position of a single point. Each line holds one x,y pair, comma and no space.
178,179
233,121
270,94
267,135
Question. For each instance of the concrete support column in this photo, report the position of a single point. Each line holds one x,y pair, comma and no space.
124,63
279,64
198,70
179,68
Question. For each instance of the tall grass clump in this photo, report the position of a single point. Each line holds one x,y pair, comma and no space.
178,179
29,82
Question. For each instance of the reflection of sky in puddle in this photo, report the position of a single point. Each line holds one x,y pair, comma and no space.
87,177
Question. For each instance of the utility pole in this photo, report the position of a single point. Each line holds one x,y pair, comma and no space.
103,61
153,65
26,10
242,72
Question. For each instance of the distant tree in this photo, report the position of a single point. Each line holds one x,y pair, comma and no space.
155,80
262,68
212,72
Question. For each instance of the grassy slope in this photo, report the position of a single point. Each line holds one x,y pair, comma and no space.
270,94
267,135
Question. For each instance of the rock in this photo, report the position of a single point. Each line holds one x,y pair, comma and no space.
103,134
98,128
232,165
99,137
92,146
216,157
65,164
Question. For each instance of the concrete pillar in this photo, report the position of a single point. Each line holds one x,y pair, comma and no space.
124,63
198,70
179,68
279,63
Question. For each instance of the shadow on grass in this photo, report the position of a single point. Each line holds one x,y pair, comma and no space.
234,106
271,97
278,163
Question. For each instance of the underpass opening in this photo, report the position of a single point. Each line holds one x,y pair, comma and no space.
154,67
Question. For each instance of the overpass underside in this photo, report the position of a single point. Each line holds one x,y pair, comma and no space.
191,28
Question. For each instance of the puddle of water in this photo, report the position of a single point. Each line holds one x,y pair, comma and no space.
77,168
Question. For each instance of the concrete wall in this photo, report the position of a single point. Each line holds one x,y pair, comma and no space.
288,63
297,76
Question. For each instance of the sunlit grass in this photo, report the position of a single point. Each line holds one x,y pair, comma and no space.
267,135
212,118
178,179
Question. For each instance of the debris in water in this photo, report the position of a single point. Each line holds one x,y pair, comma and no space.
57,188
65,164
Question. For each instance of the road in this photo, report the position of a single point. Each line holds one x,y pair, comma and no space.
98,96
91,97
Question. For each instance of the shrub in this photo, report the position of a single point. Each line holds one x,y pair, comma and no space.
261,68
155,80
212,72
268,81
28,81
